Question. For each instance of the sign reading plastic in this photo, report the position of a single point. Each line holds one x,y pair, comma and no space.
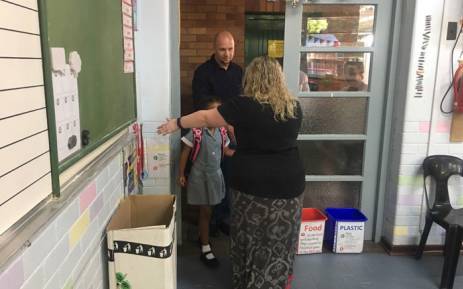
349,237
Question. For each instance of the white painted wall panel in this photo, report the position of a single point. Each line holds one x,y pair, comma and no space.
153,69
22,152
17,73
32,4
18,18
15,44
25,177
24,125
22,177
20,205
21,100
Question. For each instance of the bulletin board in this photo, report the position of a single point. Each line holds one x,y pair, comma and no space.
107,97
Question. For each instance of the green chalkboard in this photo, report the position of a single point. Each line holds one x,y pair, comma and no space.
93,28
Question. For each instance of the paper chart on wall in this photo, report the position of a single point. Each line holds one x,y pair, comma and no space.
157,157
66,101
127,34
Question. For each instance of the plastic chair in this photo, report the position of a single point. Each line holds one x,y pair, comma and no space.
441,168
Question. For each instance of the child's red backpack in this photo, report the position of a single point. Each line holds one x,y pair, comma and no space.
198,136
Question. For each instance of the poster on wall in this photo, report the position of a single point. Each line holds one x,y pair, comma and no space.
157,157
127,34
66,100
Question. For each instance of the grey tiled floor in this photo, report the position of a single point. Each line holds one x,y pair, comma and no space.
372,269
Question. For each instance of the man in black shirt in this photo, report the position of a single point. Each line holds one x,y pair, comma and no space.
219,77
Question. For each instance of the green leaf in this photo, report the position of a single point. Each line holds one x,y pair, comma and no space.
125,285
120,277
316,25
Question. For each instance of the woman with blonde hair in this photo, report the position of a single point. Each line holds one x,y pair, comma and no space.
267,175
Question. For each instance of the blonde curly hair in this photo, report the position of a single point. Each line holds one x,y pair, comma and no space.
264,81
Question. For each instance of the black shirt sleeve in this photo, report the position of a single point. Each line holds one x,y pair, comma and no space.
201,87
230,110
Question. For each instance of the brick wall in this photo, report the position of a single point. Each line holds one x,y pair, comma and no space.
259,6
200,21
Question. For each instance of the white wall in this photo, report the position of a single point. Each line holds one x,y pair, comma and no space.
153,88
424,129
152,50
153,45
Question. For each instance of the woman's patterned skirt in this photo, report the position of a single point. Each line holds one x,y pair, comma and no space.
264,234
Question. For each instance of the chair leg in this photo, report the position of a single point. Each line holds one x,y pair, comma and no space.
452,252
424,237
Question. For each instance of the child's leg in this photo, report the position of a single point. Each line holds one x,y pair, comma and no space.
207,257
204,218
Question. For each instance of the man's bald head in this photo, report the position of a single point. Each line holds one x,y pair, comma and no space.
223,36
224,46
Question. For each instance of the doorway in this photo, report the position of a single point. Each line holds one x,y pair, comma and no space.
335,56
261,33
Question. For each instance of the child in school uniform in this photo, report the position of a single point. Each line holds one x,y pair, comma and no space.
205,185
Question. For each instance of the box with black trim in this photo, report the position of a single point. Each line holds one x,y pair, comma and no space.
141,243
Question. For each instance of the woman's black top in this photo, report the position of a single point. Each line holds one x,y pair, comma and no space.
266,162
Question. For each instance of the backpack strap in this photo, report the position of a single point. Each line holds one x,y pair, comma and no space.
197,137
223,134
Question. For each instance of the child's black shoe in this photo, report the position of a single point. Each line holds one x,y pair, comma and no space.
208,258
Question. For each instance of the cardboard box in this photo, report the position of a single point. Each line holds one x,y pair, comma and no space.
141,243
311,231
345,230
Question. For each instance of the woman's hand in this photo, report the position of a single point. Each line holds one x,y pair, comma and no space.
168,127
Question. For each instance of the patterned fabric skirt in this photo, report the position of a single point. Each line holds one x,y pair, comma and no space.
264,234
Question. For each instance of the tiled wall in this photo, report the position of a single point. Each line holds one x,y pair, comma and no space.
69,252
425,130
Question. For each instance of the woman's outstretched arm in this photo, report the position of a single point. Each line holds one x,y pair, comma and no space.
202,118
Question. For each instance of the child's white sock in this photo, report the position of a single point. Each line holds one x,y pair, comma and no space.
207,248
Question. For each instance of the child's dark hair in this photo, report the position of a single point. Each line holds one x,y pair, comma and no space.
206,103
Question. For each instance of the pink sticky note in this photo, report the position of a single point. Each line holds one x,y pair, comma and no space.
128,67
126,9
424,126
127,20
128,56
128,44
127,32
